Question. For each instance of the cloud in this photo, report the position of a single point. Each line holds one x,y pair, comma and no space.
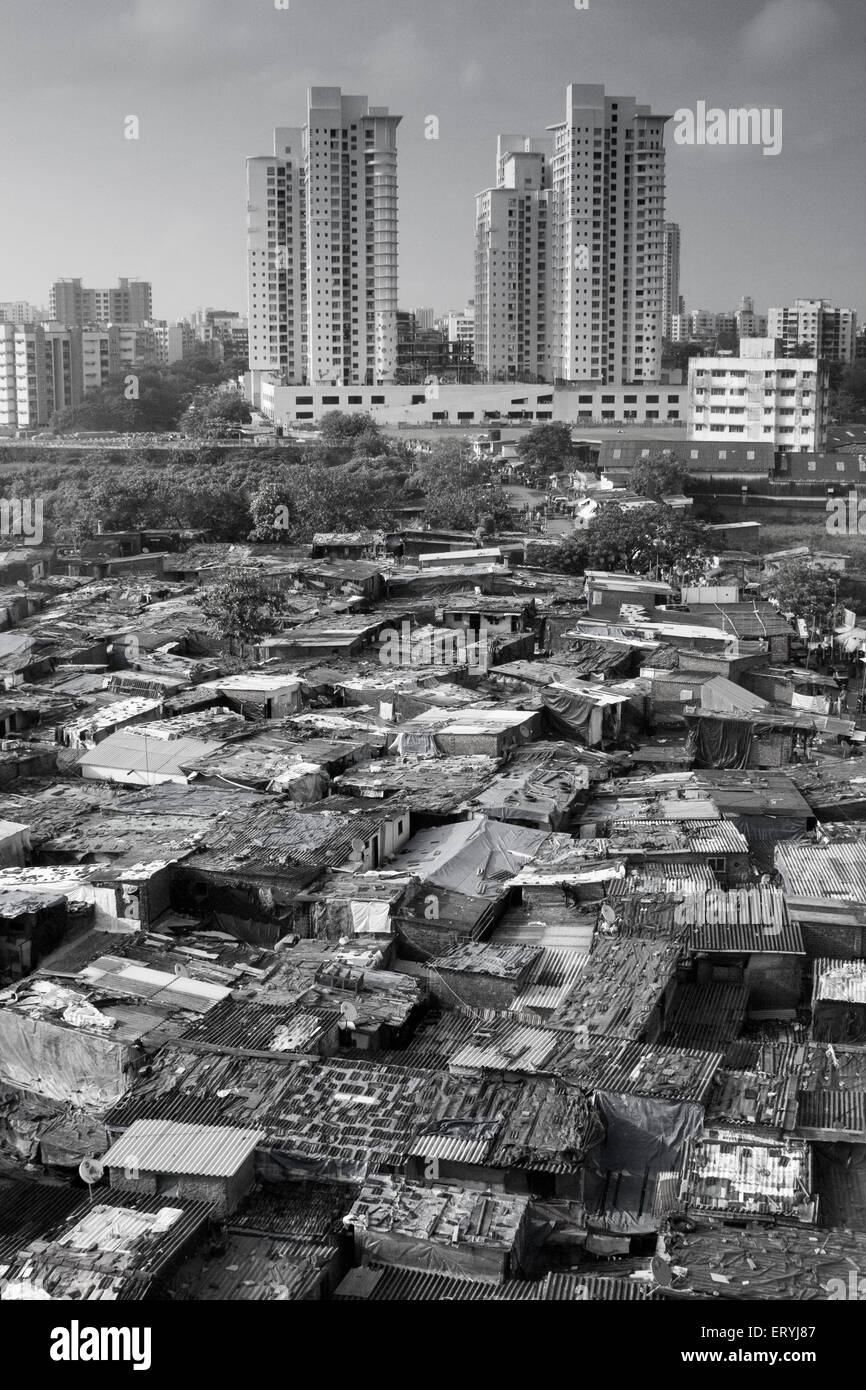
786,31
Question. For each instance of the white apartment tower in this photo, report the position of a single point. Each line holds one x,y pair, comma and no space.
599,189
41,371
277,258
607,239
670,276
322,246
831,333
512,283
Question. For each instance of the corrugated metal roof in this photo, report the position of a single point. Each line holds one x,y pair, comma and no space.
136,752
664,838
28,1209
504,962
167,1146
72,1261
832,1114
842,981
833,1066
371,1282
451,1148
706,1015
740,1174
753,1098
625,1067
740,920
663,876
788,1262
431,1214
258,1269
506,1046
592,1288
552,978
823,871
619,986
275,1028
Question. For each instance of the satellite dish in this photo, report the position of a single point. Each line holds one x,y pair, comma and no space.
661,1272
349,1012
608,914
181,969
91,1171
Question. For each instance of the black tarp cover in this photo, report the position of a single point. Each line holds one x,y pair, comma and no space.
567,714
720,743
632,1177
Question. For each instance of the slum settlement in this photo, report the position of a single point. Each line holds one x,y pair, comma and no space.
479,933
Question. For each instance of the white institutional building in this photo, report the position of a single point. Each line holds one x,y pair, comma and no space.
322,246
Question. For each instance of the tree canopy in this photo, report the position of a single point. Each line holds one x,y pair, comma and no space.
642,540
213,413
458,490
547,447
805,591
241,608
662,475
145,398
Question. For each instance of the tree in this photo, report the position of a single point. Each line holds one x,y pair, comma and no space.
663,475
340,427
642,540
571,556
656,540
849,399
677,355
547,447
350,497
273,515
214,413
459,491
142,398
805,591
241,609
457,508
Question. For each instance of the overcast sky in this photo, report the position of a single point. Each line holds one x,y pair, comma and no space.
209,79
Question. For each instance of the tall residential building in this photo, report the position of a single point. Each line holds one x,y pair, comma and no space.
460,324
671,276
19,311
74,305
425,317
512,278
322,245
41,371
831,333
45,367
681,327
759,396
750,324
589,307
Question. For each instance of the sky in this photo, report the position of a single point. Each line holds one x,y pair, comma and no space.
209,79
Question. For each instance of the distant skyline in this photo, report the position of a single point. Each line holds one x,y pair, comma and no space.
208,81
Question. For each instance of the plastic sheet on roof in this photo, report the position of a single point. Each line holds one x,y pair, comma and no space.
722,743
632,1178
